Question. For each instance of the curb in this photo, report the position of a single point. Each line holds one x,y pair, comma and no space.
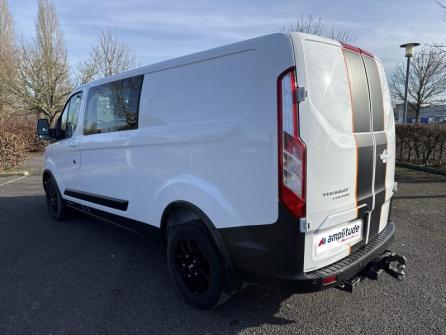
421,168
14,174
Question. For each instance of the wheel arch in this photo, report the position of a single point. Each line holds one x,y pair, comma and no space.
182,212
47,174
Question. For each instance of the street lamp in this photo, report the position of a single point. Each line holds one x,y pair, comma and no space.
409,53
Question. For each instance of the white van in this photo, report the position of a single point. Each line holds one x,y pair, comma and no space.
270,161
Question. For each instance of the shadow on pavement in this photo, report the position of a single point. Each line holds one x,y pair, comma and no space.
88,276
434,196
410,176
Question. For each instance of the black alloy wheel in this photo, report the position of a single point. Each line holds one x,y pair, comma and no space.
54,201
195,266
192,265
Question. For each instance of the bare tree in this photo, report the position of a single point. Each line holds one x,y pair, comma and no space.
314,25
7,48
343,36
43,80
308,24
427,79
110,56
441,47
442,4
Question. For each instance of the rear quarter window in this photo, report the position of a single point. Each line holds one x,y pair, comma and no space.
113,106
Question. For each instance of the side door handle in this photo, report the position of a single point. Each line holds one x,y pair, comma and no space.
385,156
73,145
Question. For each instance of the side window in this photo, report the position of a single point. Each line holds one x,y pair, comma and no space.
113,106
70,115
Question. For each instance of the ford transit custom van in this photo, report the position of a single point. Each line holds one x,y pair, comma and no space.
270,161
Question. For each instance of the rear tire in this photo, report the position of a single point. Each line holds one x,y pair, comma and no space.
55,203
195,266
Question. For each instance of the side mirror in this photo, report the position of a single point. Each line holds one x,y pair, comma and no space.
43,129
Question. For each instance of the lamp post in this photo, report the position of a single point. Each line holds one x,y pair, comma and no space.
409,53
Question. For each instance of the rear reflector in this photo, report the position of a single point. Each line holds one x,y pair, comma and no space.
329,280
292,150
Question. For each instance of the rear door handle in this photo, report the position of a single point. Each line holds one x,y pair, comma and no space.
385,156
73,145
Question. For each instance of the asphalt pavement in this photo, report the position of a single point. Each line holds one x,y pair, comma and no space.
85,276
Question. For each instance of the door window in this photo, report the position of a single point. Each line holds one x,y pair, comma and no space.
63,119
73,111
70,115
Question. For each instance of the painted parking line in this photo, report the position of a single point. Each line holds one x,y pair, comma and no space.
13,180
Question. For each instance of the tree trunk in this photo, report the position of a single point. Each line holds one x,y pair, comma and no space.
401,149
441,152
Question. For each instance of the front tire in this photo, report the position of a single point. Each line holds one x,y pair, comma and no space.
195,266
55,203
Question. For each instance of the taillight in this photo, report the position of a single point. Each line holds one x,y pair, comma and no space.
292,150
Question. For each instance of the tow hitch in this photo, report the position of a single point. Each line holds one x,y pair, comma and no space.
389,262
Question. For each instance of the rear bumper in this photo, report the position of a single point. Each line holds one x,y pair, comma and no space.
344,269
272,255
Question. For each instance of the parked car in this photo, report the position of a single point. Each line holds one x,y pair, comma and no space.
270,161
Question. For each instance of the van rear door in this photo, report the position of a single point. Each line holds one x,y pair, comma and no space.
342,123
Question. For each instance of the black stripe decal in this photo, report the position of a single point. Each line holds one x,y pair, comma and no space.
376,95
359,91
98,199
380,183
361,125
364,178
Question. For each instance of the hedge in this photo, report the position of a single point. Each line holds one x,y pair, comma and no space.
421,144
17,139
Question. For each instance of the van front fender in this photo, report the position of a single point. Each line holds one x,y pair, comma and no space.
50,167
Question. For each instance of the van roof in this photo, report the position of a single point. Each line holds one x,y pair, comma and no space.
191,58
206,54
210,53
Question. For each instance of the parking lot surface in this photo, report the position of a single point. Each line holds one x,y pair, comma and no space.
85,276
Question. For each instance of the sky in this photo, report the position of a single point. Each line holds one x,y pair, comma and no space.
158,30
